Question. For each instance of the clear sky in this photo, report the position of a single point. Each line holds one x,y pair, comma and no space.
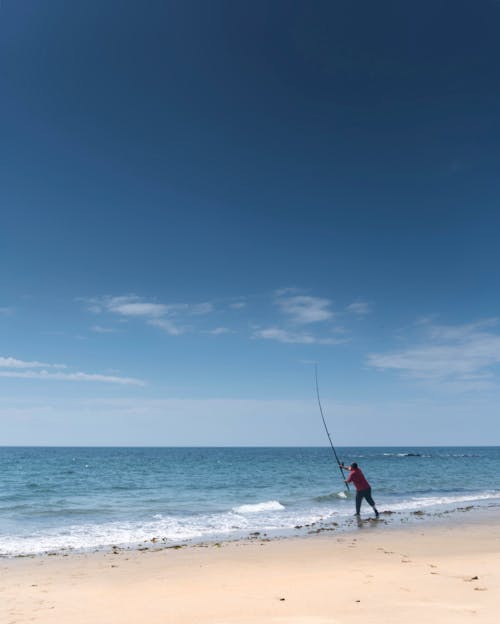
200,199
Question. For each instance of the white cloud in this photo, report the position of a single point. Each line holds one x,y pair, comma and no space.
164,316
10,362
304,309
45,375
134,306
98,329
461,332
291,337
140,309
463,355
360,308
199,309
282,335
168,326
20,369
238,305
281,292
425,320
6,311
220,330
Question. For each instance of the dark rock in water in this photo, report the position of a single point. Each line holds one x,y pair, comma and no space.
299,526
418,513
282,599
413,455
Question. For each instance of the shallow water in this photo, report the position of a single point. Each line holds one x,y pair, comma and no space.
87,498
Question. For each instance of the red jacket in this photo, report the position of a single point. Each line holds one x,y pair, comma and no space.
358,478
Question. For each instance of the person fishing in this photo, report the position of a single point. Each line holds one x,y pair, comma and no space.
363,488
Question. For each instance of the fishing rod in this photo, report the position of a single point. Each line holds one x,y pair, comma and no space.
326,428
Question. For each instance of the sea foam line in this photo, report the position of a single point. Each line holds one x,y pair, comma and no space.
272,505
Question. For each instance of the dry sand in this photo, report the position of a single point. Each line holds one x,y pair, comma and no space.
445,573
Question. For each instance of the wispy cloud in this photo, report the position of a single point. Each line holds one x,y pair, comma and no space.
168,326
21,369
10,362
304,319
129,305
5,311
293,337
463,355
167,317
218,331
98,329
359,308
304,309
297,314
45,375
200,309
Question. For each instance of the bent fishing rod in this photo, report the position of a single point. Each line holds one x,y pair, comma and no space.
326,428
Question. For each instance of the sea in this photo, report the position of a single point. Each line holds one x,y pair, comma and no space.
55,500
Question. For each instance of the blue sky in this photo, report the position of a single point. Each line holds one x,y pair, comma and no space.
198,200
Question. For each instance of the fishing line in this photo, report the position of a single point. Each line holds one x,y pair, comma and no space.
326,428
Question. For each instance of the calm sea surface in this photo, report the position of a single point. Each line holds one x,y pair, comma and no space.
88,498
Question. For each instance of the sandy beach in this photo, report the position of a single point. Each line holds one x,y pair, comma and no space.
442,573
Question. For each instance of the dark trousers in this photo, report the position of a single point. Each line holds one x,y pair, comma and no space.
366,494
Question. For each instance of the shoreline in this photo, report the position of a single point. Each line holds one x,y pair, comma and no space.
388,520
441,571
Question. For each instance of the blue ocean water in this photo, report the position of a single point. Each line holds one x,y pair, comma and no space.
88,498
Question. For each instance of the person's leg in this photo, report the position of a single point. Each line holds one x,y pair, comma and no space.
359,498
368,495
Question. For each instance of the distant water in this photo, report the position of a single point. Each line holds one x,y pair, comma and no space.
87,498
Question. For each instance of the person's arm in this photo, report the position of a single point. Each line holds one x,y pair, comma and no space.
349,479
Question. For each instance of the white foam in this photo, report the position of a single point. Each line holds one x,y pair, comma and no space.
258,507
168,529
267,516
438,501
